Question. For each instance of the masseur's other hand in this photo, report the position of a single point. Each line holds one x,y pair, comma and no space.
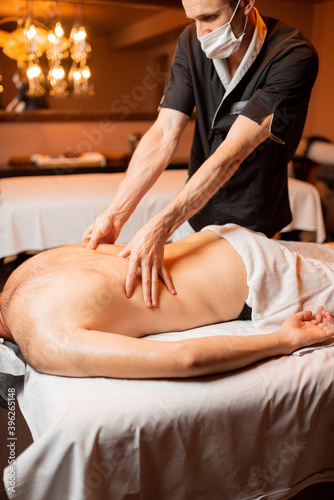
146,251
105,229
303,329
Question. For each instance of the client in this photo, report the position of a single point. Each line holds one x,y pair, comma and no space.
67,310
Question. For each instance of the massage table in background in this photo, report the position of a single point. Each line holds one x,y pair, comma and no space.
37,213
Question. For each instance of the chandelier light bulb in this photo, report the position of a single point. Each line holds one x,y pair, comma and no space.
31,32
86,73
59,30
58,73
52,41
81,34
33,72
52,37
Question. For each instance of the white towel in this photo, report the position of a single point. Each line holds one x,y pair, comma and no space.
321,152
283,278
84,160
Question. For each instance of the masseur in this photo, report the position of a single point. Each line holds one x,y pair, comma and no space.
250,79
67,310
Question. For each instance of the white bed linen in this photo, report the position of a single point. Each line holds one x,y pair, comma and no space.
306,209
37,213
264,432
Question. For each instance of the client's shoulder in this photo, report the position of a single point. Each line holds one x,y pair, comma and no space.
69,263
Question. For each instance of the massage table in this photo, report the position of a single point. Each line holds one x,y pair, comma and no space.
37,213
263,432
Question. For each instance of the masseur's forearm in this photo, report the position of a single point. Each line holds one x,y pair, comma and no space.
244,136
149,160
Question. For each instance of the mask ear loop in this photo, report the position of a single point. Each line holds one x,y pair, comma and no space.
235,10
244,30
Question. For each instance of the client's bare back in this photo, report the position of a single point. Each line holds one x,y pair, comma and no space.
76,286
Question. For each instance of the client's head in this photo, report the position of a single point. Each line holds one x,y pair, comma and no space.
4,332
7,295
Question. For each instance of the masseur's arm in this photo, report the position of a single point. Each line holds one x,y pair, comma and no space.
146,249
151,157
89,353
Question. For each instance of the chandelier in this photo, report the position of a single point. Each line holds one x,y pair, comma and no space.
32,39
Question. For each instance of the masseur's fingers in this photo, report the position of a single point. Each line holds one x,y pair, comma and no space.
131,274
154,286
125,252
150,272
103,230
87,234
149,276
167,279
146,250
146,284
132,269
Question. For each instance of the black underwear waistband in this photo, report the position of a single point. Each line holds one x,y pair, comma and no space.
246,313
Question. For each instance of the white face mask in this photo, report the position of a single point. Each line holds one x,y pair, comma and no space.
221,43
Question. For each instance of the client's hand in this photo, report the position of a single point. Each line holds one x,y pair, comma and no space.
302,329
105,229
146,251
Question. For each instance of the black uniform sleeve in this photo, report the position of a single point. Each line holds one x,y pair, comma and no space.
287,89
179,92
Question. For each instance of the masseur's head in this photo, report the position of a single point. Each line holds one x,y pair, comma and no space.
212,14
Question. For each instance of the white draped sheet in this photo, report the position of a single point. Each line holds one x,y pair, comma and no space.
37,213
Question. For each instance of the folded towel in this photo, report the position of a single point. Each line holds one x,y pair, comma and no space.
321,152
84,160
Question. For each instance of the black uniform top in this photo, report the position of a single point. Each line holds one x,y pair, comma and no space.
279,81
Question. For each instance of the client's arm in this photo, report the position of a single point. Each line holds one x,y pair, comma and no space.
88,353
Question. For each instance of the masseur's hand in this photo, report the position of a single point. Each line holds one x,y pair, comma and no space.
146,251
105,229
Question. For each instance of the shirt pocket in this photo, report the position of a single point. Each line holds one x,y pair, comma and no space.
237,107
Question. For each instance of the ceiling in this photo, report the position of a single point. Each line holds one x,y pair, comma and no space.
127,23
100,16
